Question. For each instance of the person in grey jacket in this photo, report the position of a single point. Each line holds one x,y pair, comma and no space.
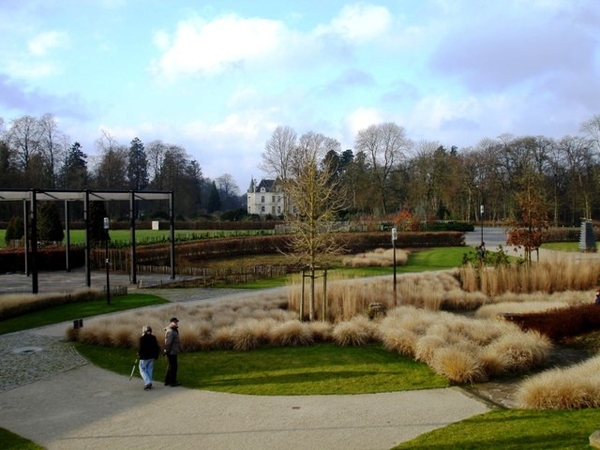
172,349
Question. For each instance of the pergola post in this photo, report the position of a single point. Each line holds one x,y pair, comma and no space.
67,237
26,235
86,222
34,238
133,276
172,232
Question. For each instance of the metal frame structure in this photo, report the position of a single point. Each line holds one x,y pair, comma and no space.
30,198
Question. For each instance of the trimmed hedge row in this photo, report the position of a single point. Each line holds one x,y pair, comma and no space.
49,258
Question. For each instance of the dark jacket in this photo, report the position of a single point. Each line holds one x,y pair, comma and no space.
148,347
172,346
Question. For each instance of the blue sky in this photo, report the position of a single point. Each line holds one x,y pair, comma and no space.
218,77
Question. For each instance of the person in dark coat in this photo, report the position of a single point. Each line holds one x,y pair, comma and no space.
172,349
148,351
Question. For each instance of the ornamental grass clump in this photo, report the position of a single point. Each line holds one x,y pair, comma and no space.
462,349
291,334
459,364
356,332
377,258
575,387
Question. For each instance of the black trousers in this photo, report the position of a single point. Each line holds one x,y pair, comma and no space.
171,377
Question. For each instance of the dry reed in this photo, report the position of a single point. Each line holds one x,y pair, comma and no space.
553,274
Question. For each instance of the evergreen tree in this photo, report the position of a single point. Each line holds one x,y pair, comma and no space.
97,213
74,173
137,168
14,230
214,201
49,225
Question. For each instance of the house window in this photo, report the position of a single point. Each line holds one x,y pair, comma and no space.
273,199
262,209
272,210
262,198
279,210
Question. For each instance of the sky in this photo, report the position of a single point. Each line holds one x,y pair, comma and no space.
217,77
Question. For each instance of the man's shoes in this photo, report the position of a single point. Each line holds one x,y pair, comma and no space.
177,383
148,387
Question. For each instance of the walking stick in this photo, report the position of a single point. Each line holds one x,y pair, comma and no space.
133,369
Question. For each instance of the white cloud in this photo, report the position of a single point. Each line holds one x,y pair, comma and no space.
360,22
363,118
212,47
42,43
198,46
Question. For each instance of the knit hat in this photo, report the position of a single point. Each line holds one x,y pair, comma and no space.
146,329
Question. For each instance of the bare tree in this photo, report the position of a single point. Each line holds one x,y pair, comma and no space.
111,172
278,151
52,146
229,191
316,197
385,145
23,138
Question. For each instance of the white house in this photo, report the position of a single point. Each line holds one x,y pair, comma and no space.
266,197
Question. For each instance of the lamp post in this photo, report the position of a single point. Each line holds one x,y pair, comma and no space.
394,237
106,227
481,210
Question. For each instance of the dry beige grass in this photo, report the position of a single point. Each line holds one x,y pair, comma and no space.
461,348
563,388
377,258
347,298
12,305
356,332
554,274
292,333
459,364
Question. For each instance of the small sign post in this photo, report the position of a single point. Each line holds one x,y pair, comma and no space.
394,237
106,227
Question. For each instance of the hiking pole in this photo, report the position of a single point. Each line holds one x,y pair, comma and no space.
133,369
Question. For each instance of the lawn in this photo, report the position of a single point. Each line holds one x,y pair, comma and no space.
123,237
11,441
79,310
323,369
513,430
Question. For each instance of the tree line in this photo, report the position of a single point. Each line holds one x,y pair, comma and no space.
387,173
35,153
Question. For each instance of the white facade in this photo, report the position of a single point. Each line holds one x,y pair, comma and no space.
266,197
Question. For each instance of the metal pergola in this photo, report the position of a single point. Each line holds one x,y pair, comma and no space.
30,198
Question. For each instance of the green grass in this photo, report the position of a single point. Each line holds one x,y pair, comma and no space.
156,236
563,246
435,259
421,261
11,441
513,429
323,369
79,310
